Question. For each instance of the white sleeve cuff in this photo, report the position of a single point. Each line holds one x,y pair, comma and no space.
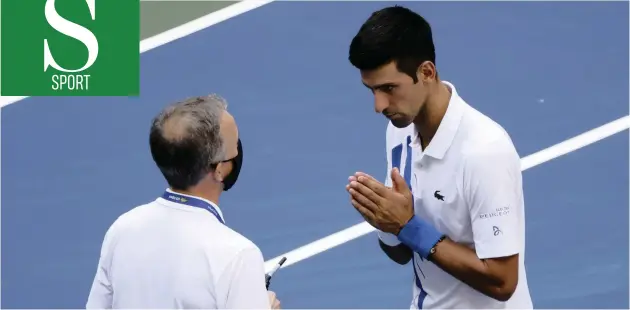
388,239
495,252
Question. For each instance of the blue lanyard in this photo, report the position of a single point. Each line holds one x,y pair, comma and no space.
193,202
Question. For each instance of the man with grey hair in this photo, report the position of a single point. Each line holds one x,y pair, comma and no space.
176,252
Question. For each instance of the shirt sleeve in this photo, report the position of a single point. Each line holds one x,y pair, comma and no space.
244,281
493,186
101,292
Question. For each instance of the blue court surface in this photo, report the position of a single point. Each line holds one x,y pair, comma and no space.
546,71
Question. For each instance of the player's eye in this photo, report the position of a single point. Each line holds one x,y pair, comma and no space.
387,88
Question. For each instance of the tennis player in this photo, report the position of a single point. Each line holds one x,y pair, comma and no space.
177,252
452,202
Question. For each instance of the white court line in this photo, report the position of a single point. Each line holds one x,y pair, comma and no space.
533,160
180,32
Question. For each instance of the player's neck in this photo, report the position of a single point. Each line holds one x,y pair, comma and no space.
205,191
428,120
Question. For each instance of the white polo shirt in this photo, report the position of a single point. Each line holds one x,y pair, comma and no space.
170,255
467,183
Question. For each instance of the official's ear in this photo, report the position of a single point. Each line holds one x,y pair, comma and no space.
218,172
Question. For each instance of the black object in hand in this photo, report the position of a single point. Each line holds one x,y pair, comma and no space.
268,276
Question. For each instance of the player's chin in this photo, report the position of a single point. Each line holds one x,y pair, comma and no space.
400,121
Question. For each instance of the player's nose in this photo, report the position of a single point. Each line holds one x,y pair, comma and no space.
381,102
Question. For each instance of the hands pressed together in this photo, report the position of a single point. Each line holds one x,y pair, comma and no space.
387,209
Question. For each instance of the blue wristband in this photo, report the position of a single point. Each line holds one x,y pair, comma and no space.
420,236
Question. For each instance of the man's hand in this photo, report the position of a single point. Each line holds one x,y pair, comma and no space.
387,209
273,300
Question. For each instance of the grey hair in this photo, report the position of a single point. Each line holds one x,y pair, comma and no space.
186,139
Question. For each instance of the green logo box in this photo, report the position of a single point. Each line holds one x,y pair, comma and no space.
70,47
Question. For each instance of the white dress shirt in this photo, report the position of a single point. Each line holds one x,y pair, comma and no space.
171,255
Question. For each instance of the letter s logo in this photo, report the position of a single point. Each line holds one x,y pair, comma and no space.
72,30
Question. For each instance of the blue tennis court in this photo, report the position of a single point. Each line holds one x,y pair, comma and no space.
547,71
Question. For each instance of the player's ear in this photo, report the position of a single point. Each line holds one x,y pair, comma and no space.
427,72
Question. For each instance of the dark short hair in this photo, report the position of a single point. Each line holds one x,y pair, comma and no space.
185,140
393,34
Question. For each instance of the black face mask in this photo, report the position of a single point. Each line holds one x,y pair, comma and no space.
237,162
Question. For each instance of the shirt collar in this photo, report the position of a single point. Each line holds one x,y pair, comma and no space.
445,133
174,204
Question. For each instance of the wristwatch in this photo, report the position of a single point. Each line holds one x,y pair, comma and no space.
433,249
